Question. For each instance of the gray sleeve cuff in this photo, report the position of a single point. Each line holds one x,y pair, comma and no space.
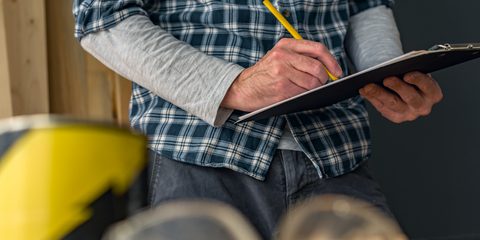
149,56
373,38
219,117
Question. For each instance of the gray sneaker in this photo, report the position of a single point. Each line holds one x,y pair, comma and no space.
335,217
185,221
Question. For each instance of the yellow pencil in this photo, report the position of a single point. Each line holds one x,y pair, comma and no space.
289,28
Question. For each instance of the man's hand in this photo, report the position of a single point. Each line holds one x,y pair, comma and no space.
415,96
290,68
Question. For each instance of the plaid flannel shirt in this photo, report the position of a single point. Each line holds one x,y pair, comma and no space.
336,138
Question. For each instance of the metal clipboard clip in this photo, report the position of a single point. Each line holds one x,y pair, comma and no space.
447,47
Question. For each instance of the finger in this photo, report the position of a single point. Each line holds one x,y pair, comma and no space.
315,50
407,92
426,84
386,112
285,75
310,66
377,104
278,66
279,89
390,100
289,90
302,79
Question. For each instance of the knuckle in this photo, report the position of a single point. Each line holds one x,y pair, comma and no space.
317,69
411,118
277,70
380,108
324,79
377,104
414,76
392,102
423,85
322,47
395,118
439,97
397,121
312,83
425,112
415,81
276,53
283,42
414,102
410,99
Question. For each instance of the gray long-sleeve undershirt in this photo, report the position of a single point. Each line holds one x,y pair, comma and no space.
151,57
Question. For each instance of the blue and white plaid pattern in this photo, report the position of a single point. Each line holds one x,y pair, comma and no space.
335,138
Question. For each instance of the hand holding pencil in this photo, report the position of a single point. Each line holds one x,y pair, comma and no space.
289,28
291,67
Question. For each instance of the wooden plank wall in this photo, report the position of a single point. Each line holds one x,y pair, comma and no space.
5,96
67,81
24,57
80,85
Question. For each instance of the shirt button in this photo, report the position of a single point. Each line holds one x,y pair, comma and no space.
286,13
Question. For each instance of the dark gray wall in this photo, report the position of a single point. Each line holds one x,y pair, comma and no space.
429,169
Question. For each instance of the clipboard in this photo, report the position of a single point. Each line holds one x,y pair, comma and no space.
426,61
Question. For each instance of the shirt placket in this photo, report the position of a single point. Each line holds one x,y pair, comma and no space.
286,9
281,31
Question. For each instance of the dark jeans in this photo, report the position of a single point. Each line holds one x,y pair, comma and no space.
291,178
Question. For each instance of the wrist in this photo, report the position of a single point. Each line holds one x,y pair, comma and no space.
232,97
235,97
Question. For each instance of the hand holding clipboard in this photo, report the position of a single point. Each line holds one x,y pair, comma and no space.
425,61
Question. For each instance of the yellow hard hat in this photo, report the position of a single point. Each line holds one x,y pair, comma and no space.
67,179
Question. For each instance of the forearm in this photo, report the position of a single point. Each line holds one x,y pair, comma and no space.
373,38
144,53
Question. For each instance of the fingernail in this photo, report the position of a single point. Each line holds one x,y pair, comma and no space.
390,83
340,75
362,91
339,72
414,75
409,77
387,83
